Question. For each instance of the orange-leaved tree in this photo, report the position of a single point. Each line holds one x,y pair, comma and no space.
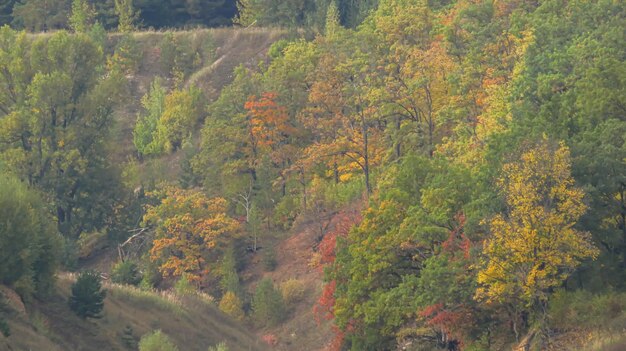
189,228
270,133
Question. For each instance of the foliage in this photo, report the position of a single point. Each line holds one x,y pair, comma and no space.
268,307
156,341
129,340
229,281
55,138
391,126
126,272
292,291
583,309
190,228
184,286
29,242
535,247
87,299
181,113
126,15
145,132
81,17
232,306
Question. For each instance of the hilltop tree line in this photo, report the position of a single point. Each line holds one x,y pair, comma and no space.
47,15
482,143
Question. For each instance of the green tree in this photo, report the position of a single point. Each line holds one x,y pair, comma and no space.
81,17
126,15
29,242
229,277
156,341
268,307
181,114
87,299
144,134
55,138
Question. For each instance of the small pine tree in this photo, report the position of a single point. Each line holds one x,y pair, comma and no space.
129,339
267,305
230,278
87,299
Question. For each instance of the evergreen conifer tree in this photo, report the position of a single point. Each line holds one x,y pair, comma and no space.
87,299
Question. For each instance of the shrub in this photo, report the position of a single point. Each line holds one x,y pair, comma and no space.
69,254
292,291
184,286
287,211
87,299
267,305
219,347
582,309
151,276
232,306
156,341
126,272
179,55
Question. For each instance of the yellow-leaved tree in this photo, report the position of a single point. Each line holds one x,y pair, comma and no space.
188,228
534,246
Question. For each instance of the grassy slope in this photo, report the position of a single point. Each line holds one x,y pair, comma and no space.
232,47
193,323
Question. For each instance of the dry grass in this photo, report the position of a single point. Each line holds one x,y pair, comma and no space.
192,321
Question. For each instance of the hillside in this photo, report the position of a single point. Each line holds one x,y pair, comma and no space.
224,50
192,322
379,175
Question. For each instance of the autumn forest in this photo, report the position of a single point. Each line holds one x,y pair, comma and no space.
314,174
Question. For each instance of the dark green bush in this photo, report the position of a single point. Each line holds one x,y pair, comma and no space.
87,299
